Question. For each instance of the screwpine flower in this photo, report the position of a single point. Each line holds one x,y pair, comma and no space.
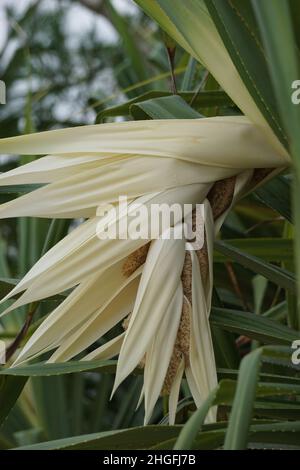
159,291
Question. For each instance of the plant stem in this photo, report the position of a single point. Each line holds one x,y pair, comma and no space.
21,335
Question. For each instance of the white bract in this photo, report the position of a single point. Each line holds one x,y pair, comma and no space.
151,162
171,161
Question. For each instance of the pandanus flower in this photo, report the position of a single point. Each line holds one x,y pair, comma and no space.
157,289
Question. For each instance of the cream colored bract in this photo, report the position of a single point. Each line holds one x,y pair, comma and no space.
168,161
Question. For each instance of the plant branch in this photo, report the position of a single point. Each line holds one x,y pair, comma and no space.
21,335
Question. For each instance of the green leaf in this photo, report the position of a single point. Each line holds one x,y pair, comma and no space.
224,395
42,369
240,417
276,26
237,26
278,360
19,188
134,438
6,285
169,107
294,8
57,230
253,326
281,433
127,407
226,353
268,377
201,100
189,75
276,389
269,195
268,249
269,433
278,312
279,276
10,390
51,405
193,426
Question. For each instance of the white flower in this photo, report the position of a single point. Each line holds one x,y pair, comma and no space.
161,290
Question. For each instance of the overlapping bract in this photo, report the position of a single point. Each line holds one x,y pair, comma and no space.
152,162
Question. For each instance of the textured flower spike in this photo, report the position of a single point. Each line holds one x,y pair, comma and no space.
162,290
